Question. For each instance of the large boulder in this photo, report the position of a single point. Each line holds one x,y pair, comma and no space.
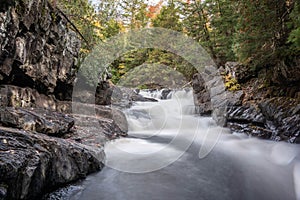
31,164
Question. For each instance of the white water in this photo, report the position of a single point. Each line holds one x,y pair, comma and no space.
172,154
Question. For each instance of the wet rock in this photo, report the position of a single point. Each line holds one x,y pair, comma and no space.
201,96
165,93
37,120
31,164
276,118
248,119
284,115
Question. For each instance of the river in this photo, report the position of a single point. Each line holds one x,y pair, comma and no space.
173,154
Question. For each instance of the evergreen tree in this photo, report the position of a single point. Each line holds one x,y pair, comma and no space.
169,17
262,31
134,14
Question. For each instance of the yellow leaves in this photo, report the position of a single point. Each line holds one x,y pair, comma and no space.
122,27
121,67
97,24
99,34
85,51
208,26
121,72
227,77
231,83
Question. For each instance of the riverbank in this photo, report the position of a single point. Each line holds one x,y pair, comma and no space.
251,104
43,144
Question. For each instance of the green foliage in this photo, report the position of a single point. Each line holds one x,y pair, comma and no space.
168,18
294,37
134,13
95,23
256,33
211,23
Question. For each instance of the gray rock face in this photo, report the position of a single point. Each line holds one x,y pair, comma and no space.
44,143
37,49
201,96
14,96
37,120
210,95
31,164
276,118
240,72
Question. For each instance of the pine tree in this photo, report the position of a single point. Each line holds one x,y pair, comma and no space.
262,31
169,18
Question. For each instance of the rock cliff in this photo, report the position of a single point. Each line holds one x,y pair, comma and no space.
256,107
42,145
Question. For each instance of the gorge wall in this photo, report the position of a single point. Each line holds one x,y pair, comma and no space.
42,146
266,105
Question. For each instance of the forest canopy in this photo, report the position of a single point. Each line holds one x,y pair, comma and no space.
256,33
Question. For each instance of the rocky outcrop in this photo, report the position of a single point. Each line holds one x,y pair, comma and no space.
14,96
248,111
44,143
82,133
108,94
37,49
275,118
32,164
37,120
211,96
201,96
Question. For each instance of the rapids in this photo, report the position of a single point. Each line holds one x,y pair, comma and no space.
173,154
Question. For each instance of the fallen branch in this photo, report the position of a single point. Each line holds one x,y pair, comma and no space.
186,84
68,20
